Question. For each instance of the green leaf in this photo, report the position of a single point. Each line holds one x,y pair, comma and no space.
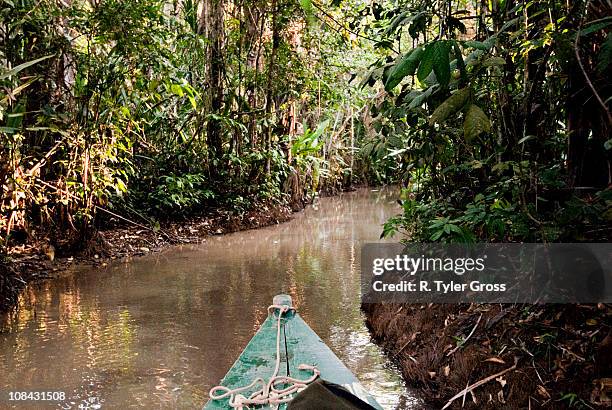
478,45
436,235
476,122
605,55
493,61
455,228
460,64
473,57
406,66
421,98
23,66
307,7
176,89
526,138
427,62
418,25
401,19
453,104
17,90
193,102
596,26
14,120
435,57
441,62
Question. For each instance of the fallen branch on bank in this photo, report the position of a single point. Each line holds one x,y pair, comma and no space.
470,388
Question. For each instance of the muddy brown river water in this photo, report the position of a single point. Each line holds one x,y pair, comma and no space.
161,330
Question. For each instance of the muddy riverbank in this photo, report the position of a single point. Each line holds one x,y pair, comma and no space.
500,356
40,259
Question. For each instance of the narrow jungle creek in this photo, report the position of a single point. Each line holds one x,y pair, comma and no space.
135,135
163,329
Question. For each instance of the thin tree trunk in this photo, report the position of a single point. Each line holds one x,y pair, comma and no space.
270,85
255,26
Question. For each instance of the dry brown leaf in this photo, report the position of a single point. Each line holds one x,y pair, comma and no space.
606,391
501,381
543,392
500,397
432,374
446,370
591,322
495,360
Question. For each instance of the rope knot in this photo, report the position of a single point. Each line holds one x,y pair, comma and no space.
268,393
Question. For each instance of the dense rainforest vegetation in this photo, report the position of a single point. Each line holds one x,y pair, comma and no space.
150,109
495,115
503,128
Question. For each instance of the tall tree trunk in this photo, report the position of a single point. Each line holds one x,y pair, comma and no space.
211,25
507,113
254,31
533,113
270,86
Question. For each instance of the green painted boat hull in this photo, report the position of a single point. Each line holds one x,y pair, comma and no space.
303,346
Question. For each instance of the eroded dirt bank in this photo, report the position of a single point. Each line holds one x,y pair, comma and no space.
500,356
38,259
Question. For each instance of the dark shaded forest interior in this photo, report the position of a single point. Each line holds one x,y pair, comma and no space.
493,116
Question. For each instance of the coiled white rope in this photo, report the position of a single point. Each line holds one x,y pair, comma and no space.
268,393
